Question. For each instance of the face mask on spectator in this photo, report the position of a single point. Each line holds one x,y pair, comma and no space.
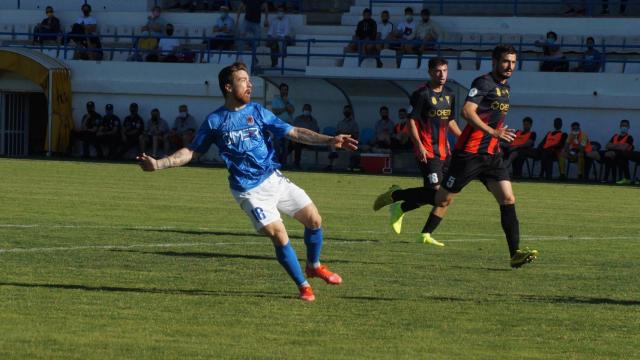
551,40
425,19
624,129
154,117
385,21
224,15
306,113
108,112
575,132
347,113
280,14
183,114
409,18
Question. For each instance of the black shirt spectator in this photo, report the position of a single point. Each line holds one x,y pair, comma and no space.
48,29
88,129
366,30
554,58
253,10
591,59
132,128
108,133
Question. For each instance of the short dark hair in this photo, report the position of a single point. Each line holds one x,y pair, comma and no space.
306,106
183,106
283,85
408,9
625,121
133,105
437,61
225,76
552,33
425,11
385,12
383,107
155,110
528,119
85,5
502,49
575,123
49,9
367,10
591,38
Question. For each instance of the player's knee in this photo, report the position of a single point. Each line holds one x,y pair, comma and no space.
508,200
315,222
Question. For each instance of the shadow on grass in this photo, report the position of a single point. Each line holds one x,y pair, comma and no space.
479,268
241,234
213,255
191,292
579,300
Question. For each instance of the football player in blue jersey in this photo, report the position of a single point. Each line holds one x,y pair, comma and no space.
240,129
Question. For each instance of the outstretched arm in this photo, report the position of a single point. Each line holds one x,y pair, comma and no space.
309,137
179,158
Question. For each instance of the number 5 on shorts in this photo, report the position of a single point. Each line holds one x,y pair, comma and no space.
259,214
450,181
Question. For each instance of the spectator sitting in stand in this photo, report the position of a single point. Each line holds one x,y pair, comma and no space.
184,128
517,152
284,109
168,47
578,148
84,35
385,30
366,30
108,133
49,29
157,132
407,31
87,132
384,130
591,59
427,31
156,23
279,35
554,58
617,154
222,36
306,121
132,130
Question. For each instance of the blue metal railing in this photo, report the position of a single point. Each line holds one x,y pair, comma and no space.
203,52
590,5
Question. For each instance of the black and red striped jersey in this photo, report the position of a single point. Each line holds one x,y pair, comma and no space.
492,98
433,111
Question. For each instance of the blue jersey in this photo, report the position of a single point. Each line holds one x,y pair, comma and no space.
243,141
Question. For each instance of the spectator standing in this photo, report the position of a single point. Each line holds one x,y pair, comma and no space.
591,59
384,130
554,59
157,131
156,23
48,29
222,36
521,147
305,121
550,148
347,126
617,153
385,30
184,128
578,148
108,133
279,34
366,30
284,109
132,130
427,31
252,18
87,133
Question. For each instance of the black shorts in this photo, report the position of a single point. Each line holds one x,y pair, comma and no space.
433,171
466,167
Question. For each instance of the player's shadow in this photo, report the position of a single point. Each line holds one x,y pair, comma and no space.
217,255
479,268
579,300
242,234
190,292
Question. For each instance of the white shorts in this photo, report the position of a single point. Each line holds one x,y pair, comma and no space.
276,194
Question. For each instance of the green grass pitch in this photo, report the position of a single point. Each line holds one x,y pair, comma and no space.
104,261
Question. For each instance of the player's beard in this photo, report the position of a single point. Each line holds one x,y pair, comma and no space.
243,98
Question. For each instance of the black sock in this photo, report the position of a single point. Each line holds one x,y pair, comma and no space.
417,195
432,223
511,226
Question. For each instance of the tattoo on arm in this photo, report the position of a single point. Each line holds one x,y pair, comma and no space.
179,158
308,137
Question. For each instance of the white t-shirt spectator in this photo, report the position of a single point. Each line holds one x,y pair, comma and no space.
88,20
407,30
221,23
182,124
159,128
168,45
279,28
385,29
424,30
